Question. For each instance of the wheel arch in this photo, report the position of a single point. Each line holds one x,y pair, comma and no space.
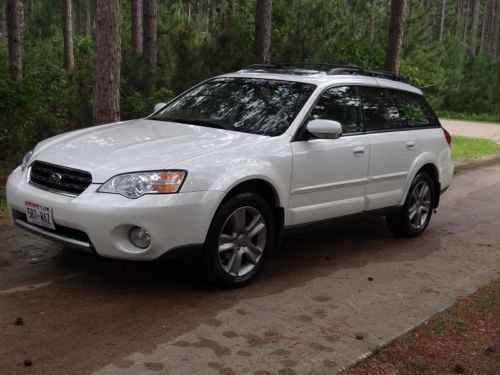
424,163
268,192
432,171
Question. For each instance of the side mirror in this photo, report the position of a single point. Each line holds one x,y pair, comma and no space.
325,129
159,106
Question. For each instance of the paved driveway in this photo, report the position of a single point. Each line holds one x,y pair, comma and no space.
473,129
320,291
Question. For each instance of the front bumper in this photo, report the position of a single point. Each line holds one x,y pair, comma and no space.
173,220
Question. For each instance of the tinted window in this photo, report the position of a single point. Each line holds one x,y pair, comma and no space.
257,106
379,111
415,111
340,104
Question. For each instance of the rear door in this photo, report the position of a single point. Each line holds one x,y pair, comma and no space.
393,148
329,175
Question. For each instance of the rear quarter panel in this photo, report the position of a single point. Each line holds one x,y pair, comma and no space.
433,149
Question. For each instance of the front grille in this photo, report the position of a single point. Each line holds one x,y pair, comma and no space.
59,179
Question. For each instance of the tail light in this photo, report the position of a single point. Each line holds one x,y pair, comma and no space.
447,136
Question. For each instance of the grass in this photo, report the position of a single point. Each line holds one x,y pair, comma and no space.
472,148
461,339
481,117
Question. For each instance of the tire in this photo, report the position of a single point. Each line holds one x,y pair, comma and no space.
416,213
239,241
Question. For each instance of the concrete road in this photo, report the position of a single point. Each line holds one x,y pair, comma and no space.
473,129
326,300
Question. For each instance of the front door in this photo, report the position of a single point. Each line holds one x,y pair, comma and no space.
329,175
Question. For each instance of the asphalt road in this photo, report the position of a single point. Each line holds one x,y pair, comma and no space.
473,129
326,300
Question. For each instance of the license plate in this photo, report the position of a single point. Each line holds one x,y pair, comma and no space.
39,215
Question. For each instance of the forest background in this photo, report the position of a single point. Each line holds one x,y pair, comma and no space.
53,53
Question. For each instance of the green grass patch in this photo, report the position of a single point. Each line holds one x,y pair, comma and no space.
472,148
481,117
4,216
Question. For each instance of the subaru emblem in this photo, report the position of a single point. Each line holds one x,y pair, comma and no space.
55,177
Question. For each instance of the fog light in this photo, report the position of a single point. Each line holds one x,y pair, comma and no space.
139,237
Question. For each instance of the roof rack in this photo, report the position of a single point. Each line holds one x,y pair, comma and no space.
330,69
367,72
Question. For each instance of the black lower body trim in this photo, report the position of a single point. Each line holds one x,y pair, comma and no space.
327,222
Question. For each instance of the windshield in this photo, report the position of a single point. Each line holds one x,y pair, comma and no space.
257,106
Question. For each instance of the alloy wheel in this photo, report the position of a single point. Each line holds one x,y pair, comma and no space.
242,241
420,205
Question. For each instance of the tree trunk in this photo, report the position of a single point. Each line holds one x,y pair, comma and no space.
496,32
441,28
107,61
396,31
428,22
88,18
466,21
200,14
483,26
4,22
223,14
150,41
213,15
15,24
69,60
475,23
263,24
136,27
233,10
373,15
459,10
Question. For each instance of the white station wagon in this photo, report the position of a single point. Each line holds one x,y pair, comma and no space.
229,165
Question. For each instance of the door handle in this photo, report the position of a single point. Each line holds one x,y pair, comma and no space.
358,151
410,145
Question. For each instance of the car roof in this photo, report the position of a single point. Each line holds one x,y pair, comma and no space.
324,79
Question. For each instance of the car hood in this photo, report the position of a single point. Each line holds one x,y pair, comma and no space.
136,145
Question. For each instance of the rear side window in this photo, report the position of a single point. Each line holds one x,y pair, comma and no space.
340,104
414,110
379,111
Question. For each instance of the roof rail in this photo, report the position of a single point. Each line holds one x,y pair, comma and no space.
330,69
368,72
284,66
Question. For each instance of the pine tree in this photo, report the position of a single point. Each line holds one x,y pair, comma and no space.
69,59
15,25
107,60
136,26
150,45
263,24
396,31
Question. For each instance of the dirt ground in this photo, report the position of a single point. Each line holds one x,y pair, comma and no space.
326,300
462,339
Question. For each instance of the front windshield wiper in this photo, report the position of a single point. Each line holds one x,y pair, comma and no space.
201,122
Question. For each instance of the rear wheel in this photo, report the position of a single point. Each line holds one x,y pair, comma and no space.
416,213
239,241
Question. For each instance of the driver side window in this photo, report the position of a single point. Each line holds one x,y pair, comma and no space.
340,104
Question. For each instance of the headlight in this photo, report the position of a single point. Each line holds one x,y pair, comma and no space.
26,160
135,185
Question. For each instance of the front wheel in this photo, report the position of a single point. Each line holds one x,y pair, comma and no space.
239,240
416,213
